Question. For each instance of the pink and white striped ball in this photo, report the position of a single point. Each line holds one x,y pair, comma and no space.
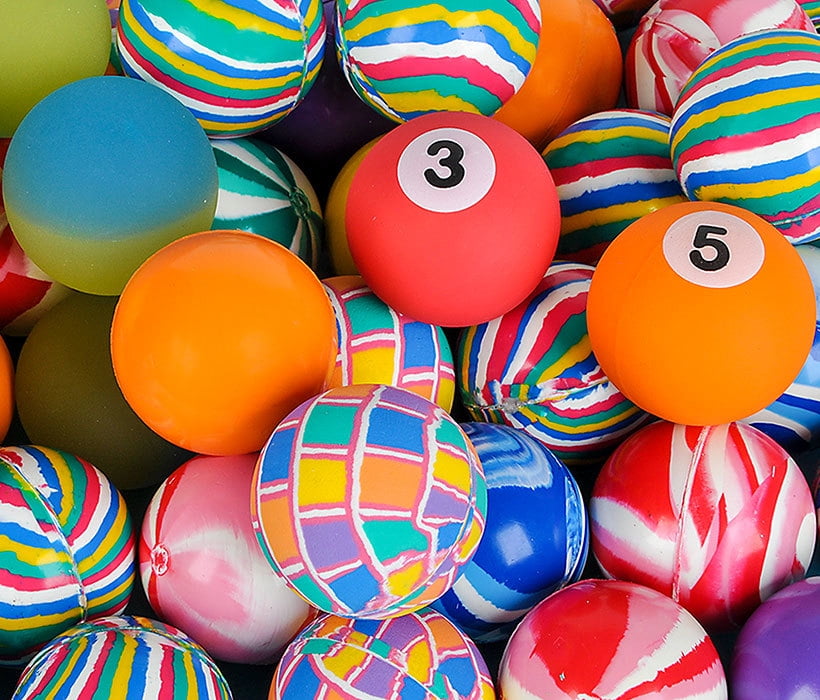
717,517
674,37
610,639
202,568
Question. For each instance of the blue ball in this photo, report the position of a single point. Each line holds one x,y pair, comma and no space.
536,536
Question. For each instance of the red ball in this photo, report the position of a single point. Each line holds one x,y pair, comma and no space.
452,218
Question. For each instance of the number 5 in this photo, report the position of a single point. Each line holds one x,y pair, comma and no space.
705,237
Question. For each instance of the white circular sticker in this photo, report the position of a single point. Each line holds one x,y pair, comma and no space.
713,249
446,170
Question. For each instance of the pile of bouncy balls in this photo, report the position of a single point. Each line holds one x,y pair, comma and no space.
387,349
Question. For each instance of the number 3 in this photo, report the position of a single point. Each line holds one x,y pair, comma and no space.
705,237
452,161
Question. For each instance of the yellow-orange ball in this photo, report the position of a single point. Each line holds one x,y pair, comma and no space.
701,313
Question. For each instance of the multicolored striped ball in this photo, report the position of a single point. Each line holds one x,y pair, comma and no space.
378,345
535,539
717,517
68,552
238,67
419,655
123,657
610,169
368,499
812,8
263,191
533,369
409,57
745,130
610,639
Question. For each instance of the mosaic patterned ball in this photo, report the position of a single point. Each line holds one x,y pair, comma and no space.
419,655
535,540
368,499
69,548
610,169
407,57
378,345
744,130
263,191
533,369
610,639
122,657
237,67
722,519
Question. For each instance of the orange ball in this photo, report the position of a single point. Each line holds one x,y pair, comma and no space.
701,313
219,335
6,389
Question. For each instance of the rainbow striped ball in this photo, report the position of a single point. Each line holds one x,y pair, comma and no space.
535,538
610,168
263,191
812,9
238,67
717,517
745,131
378,345
368,499
406,57
419,655
533,369
68,547
119,658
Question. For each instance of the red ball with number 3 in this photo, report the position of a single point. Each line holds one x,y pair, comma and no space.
452,218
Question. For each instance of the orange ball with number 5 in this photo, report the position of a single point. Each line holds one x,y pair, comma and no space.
701,313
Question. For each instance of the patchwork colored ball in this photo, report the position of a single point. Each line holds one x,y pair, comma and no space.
716,268
533,369
122,657
610,168
263,191
744,130
535,538
723,518
238,68
207,575
610,639
406,58
68,552
418,655
101,174
378,345
368,499
675,36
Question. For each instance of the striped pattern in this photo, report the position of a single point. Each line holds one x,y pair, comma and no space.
119,658
610,640
238,65
378,345
724,518
405,58
610,168
417,656
68,551
745,130
263,191
533,369
367,500
532,492
812,9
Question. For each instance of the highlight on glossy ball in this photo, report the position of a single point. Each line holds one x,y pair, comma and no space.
431,224
368,499
723,518
218,336
101,174
134,656
701,313
743,131
535,540
603,639
418,655
69,548
238,68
